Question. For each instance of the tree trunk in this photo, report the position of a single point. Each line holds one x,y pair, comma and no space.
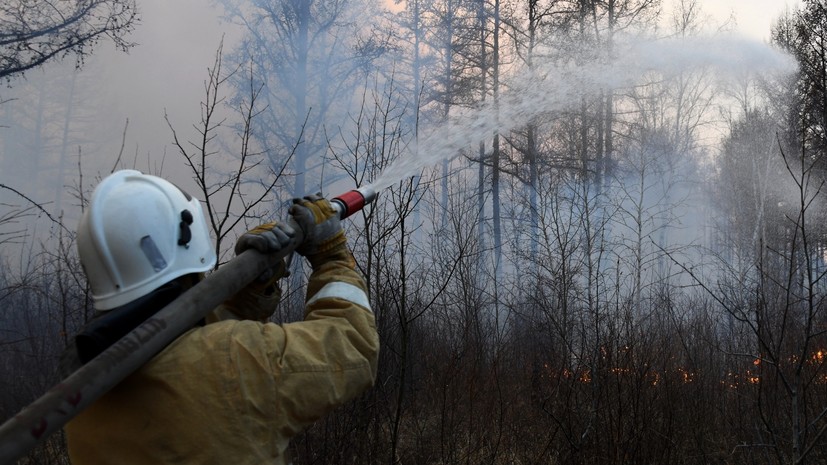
482,20
64,146
300,95
495,155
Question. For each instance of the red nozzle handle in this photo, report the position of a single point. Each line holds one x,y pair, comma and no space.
352,201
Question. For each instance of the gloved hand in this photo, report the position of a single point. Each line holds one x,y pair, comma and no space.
266,238
259,299
323,232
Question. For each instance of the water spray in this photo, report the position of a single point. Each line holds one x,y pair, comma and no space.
553,86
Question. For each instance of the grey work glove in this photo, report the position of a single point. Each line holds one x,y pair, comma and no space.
323,234
259,299
267,238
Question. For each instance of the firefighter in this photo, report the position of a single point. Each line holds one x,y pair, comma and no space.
235,389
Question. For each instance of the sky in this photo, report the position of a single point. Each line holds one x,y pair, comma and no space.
753,18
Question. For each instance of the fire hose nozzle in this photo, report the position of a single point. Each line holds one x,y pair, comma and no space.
352,201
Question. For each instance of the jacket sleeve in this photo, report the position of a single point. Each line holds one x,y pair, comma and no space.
330,357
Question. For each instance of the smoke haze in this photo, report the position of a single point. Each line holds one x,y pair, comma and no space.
120,100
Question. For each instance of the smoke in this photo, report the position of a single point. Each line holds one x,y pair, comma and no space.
60,124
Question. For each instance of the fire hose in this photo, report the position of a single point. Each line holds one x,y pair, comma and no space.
73,394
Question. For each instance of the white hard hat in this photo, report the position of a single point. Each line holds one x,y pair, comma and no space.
138,233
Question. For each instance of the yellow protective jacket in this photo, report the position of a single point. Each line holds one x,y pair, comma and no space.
236,392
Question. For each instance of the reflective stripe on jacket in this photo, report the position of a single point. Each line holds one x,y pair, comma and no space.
235,392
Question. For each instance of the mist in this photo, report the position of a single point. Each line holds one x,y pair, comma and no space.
115,104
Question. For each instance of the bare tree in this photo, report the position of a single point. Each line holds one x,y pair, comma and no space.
771,288
43,300
309,56
11,231
35,32
231,194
